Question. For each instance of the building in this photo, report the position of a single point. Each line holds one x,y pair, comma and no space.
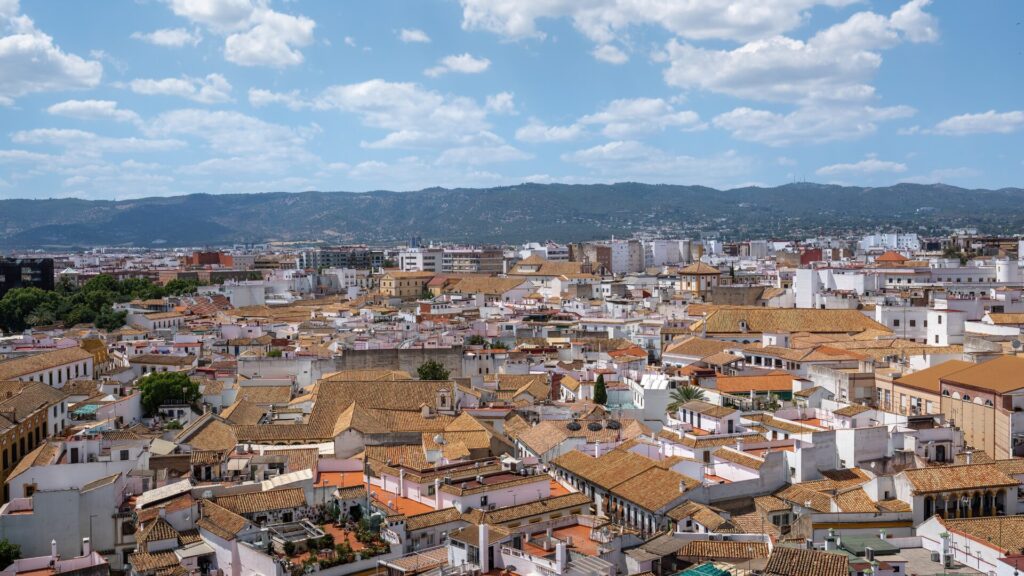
697,278
54,368
359,257
404,285
25,273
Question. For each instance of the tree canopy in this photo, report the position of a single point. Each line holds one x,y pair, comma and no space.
160,388
92,302
432,370
681,396
8,552
600,391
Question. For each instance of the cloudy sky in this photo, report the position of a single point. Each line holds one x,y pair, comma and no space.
123,99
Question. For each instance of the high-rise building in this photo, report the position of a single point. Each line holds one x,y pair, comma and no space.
24,273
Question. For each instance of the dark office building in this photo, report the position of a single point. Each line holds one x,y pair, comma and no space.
359,257
25,272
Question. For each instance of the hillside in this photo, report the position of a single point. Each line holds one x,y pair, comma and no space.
506,214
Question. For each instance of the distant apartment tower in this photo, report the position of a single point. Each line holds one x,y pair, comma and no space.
420,259
25,273
208,259
897,242
473,261
358,257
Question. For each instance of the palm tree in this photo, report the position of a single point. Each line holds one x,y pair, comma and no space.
683,395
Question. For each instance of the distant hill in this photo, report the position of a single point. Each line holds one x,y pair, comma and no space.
509,214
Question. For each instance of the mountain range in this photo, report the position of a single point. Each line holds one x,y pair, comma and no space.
509,214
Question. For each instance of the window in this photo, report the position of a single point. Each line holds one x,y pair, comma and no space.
940,319
936,338
124,455
896,322
913,323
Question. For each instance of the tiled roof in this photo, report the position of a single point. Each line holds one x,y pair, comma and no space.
146,562
721,549
1006,532
737,457
727,320
786,561
276,395
655,488
999,375
697,347
253,502
950,478
158,529
851,410
520,511
219,520
772,382
435,518
15,368
243,413
928,379
699,513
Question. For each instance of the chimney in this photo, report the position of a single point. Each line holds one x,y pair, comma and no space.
682,486
162,512
830,540
969,456
483,537
561,557
53,550
86,546
437,493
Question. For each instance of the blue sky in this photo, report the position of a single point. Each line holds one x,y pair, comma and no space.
117,100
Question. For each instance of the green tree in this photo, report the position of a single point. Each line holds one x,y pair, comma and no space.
19,304
475,340
432,370
274,354
681,396
600,391
159,388
8,553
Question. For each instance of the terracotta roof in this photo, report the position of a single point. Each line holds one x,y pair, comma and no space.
163,359
999,375
727,320
699,513
950,478
15,368
275,395
928,379
737,457
851,410
786,561
697,347
1004,532
771,382
722,549
158,529
655,488
891,256
435,518
701,268
243,413
253,502
520,511
145,562
219,520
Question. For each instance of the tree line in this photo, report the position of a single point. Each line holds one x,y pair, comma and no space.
91,303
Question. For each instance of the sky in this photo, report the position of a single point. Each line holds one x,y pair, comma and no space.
128,99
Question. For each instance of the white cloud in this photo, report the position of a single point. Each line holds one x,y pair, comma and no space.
501,103
80,139
30,61
610,54
837,64
274,41
93,110
537,131
623,160
214,89
220,15
350,42
460,63
259,98
255,34
867,166
477,155
170,37
235,134
633,116
413,35
413,115
812,124
990,122
604,20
